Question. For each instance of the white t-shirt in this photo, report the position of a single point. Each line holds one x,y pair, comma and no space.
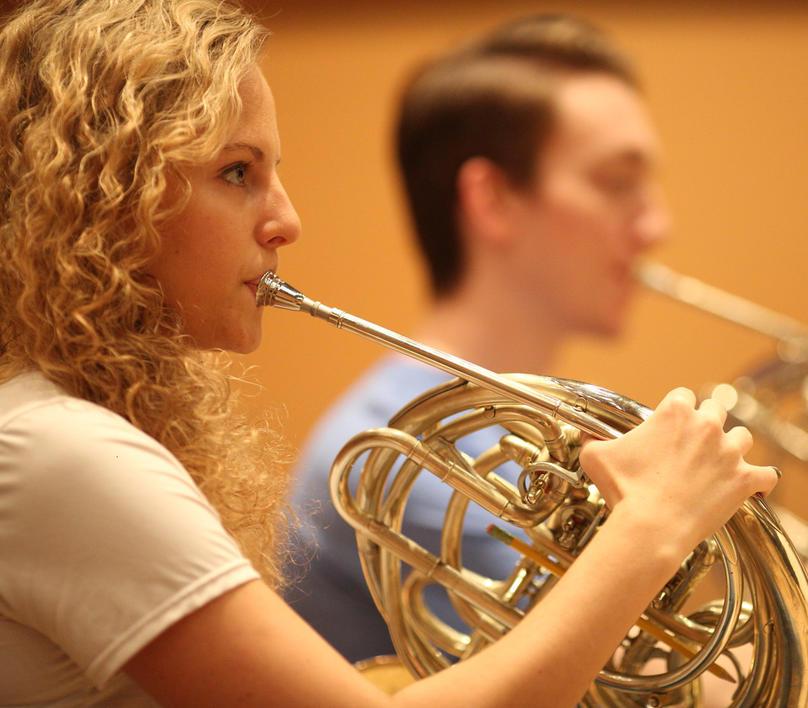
105,541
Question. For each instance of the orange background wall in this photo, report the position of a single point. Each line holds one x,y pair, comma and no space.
727,87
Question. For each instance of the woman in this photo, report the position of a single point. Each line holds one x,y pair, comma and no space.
140,204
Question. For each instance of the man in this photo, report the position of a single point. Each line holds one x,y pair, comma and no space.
528,160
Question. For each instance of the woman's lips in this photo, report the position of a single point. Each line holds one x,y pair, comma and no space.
254,283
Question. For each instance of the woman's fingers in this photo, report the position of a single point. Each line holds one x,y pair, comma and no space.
761,479
739,438
591,456
680,394
682,455
712,408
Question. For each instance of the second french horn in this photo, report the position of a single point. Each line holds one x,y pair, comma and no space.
557,511
770,398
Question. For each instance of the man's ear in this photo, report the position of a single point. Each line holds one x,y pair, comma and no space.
485,201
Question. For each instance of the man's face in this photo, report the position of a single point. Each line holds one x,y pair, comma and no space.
595,208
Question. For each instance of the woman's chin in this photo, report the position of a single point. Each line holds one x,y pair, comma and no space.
241,340
246,344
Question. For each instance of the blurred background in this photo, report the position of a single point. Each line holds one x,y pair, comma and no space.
726,86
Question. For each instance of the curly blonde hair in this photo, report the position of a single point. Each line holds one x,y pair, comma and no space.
99,101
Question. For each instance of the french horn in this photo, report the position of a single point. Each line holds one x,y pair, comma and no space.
771,398
556,510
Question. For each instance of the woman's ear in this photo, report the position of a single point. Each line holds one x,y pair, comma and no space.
485,202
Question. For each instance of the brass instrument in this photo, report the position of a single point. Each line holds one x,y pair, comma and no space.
557,510
772,398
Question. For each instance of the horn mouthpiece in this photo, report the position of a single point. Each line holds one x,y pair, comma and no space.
274,292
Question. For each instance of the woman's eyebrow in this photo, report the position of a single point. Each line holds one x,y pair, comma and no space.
256,151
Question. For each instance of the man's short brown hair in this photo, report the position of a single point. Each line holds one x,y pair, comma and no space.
493,98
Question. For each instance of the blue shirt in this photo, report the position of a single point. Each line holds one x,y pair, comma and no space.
332,595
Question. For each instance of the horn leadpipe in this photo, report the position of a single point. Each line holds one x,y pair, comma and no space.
274,292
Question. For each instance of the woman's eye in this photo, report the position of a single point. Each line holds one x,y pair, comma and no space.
236,174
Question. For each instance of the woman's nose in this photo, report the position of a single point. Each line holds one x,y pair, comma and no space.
281,226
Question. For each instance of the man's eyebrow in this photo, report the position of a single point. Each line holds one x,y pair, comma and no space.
256,151
631,156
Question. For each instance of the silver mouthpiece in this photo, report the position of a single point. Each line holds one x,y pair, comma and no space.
274,292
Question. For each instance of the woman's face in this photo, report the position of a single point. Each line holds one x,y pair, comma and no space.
229,233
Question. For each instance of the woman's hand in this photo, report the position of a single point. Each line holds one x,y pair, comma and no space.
679,467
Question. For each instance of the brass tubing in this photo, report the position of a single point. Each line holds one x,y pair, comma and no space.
717,302
276,293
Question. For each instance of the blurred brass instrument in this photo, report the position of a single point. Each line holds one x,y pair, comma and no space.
770,399
551,504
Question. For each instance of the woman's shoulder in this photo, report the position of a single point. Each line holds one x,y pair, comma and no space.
39,419
31,391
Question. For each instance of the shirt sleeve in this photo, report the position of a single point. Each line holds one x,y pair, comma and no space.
105,540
